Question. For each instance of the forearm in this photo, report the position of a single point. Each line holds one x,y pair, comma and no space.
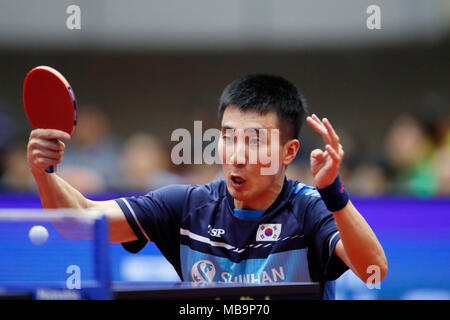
360,242
57,193
45,149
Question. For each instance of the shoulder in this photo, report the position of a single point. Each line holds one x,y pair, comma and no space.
179,197
212,191
305,198
302,193
215,188
204,192
310,210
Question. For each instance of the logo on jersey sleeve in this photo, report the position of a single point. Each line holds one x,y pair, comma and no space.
203,271
268,232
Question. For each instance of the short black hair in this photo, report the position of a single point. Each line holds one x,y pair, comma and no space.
264,93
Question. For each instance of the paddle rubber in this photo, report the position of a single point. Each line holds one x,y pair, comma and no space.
49,101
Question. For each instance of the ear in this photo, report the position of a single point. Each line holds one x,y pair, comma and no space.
290,150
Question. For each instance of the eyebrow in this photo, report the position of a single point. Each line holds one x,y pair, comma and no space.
257,130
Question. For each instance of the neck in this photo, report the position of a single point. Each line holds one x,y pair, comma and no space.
265,200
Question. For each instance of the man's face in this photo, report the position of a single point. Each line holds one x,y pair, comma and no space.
250,150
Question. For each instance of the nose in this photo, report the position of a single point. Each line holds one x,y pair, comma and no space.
239,152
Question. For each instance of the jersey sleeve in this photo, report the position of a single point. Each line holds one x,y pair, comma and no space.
324,235
156,217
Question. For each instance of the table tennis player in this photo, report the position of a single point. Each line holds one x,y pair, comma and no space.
249,226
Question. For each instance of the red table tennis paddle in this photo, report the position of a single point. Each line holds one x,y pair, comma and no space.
49,101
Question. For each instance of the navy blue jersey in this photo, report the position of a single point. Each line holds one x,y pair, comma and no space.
198,231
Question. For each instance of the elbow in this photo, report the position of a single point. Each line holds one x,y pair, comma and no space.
378,269
383,265
375,273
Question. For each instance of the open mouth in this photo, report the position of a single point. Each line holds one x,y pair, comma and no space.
237,180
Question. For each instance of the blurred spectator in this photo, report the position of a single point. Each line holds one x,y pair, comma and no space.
8,131
442,169
17,175
409,151
145,164
367,179
83,178
90,161
435,114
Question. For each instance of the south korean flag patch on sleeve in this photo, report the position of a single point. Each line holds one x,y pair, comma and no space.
268,232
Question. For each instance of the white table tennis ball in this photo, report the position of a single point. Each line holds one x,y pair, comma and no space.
38,235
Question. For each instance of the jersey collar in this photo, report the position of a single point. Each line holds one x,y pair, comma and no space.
281,199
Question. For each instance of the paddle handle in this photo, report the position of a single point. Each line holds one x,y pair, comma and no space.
51,169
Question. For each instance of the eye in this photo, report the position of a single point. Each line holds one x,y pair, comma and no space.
226,138
253,141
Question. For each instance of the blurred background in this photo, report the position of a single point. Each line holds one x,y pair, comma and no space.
141,69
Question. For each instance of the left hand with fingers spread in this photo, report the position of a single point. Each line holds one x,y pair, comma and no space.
325,163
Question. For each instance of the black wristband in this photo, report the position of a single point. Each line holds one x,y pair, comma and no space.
335,196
